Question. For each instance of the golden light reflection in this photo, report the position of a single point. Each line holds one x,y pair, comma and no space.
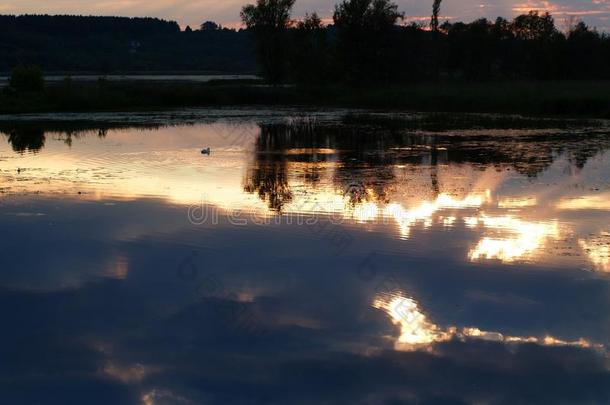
424,212
123,167
366,212
587,202
167,167
419,333
517,202
448,222
312,151
415,329
598,251
524,238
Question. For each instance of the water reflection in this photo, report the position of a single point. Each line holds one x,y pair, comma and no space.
372,172
598,250
268,176
418,333
32,136
26,140
524,239
363,167
460,274
424,213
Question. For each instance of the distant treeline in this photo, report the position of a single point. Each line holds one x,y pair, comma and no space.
118,44
368,43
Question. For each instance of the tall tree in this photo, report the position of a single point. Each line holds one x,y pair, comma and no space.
436,9
435,51
269,20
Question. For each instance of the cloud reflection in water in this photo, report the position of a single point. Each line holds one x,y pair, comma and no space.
93,304
418,333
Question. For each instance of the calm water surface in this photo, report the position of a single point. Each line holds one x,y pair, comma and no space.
311,257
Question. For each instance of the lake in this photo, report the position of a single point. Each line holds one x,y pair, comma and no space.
312,256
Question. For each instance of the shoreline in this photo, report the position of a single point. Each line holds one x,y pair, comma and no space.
573,99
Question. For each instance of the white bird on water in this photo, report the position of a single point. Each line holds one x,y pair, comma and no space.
206,151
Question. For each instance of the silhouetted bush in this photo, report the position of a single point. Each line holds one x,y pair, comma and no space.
27,78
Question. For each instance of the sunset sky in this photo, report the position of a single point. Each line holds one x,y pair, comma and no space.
193,12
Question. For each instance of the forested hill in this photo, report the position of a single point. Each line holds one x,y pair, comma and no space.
119,44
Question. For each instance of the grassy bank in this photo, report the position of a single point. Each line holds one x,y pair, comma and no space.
574,99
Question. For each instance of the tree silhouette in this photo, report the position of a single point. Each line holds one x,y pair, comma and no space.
533,26
365,44
436,9
210,26
269,20
267,176
102,45
309,62
27,139
27,79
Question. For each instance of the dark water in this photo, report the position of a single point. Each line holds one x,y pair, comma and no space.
312,257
